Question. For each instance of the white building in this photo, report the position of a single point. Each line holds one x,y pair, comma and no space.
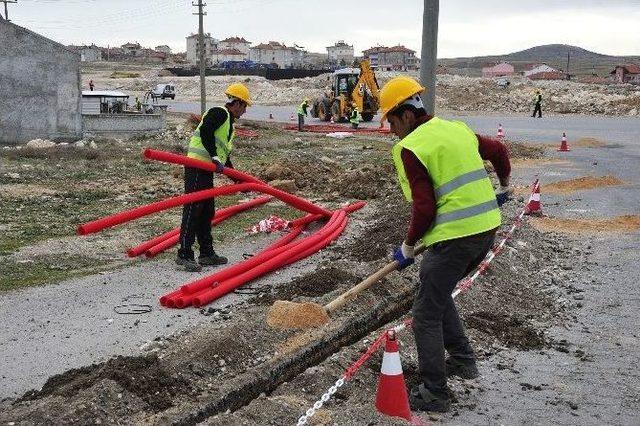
277,53
340,54
236,43
88,53
193,51
224,55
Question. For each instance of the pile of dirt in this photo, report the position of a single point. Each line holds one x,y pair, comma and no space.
580,184
143,376
619,224
291,315
521,150
314,284
588,143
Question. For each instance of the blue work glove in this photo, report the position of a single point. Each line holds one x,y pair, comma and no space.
503,194
404,255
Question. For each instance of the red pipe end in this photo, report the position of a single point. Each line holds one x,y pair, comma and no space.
132,253
149,253
146,152
81,230
197,302
170,303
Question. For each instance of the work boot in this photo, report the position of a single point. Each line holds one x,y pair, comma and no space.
189,265
212,260
422,399
464,370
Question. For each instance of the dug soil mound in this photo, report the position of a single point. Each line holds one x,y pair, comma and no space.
619,224
143,376
580,184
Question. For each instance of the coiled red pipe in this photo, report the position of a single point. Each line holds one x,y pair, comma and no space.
267,266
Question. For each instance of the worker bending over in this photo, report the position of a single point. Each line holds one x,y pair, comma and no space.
455,214
212,141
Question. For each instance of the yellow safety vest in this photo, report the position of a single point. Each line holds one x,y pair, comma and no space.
224,142
301,107
465,199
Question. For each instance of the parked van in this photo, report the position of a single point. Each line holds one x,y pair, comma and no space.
164,90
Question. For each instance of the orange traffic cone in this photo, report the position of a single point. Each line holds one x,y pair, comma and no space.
500,133
534,206
563,144
391,397
292,118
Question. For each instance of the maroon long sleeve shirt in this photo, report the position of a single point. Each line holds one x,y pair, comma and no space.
424,199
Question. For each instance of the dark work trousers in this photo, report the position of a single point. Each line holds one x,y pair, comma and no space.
196,217
300,122
538,109
436,324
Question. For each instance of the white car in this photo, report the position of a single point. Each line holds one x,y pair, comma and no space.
165,90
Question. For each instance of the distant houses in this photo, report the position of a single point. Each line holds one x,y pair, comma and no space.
394,58
503,69
626,74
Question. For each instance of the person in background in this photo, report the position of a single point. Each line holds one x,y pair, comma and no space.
538,104
91,85
354,119
302,112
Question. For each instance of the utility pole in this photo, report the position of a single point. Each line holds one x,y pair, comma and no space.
429,55
568,58
6,10
201,56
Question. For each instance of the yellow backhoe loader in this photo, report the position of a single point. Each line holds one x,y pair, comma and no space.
349,86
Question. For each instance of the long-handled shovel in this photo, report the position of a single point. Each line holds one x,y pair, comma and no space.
292,315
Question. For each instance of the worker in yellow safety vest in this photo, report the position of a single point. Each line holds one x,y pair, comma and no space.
212,141
354,119
455,214
302,112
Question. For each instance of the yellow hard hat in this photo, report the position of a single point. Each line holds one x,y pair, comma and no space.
396,91
239,91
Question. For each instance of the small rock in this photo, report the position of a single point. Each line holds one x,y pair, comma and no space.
40,143
288,185
13,175
222,363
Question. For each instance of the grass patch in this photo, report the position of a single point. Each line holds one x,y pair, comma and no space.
41,270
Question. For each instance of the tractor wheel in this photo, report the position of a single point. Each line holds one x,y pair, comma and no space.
324,112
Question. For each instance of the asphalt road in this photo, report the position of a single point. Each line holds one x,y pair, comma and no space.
616,130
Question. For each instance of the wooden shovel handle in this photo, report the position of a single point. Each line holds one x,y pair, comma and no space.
351,294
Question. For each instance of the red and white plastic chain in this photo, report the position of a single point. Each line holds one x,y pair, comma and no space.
462,286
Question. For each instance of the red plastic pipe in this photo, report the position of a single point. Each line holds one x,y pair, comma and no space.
226,212
169,157
269,265
239,268
122,217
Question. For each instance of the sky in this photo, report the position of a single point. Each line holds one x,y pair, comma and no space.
465,27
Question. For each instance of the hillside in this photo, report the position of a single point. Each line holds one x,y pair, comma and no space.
583,62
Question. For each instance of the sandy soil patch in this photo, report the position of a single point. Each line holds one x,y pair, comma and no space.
619,224
581,183
528,163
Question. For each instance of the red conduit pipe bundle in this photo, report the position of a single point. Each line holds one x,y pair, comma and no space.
226,281
323,236
220,214
185,295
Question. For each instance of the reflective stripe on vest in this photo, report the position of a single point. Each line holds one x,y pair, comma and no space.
465,199
224,143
